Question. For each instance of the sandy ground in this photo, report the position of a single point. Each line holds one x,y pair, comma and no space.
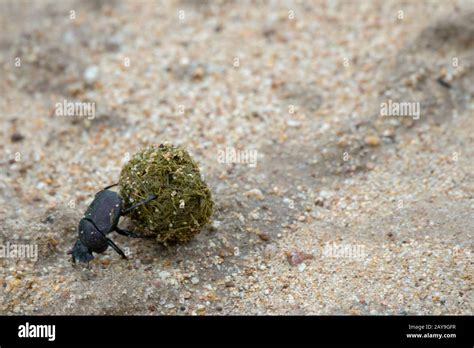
344,211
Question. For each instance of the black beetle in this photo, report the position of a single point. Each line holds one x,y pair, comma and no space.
100,219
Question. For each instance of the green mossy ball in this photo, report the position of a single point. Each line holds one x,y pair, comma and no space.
184,202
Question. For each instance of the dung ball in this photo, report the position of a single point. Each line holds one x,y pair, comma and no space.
183,204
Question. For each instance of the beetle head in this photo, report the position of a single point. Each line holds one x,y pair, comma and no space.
80,252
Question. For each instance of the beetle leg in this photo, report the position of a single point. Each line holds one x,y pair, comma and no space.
107,187
116,248
132,234
128,210
126,233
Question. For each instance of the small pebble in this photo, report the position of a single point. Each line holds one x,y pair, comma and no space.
254,193
91,74
293,123
255,215
372,140
263,236
296,257
16,137
164,275
187,295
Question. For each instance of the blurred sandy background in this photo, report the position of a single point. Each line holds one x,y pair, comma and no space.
299,83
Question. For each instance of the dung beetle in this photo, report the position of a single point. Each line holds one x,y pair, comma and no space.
100,219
